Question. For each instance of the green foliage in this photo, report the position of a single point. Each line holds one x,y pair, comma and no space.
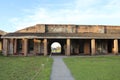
94,68
25,68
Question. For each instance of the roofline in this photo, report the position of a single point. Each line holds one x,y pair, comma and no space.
32,37
81,24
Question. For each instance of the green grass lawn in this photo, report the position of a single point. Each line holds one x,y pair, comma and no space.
94,68
25,68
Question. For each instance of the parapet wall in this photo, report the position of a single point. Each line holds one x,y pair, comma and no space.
34,29
61,28
90,29
113,29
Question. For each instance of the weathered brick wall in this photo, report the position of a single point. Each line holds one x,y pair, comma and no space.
2,32
74,47
37,46
113,29
10,46
90,29
60,28
86,47
39,28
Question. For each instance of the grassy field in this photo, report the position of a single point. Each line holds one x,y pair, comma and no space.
25,68
94,68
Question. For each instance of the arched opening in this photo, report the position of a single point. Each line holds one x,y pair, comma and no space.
56,47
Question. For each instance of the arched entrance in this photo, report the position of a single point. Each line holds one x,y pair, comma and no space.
56,48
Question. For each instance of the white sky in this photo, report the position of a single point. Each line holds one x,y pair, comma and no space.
84,12
55,45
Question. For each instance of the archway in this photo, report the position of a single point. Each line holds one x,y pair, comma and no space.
56,47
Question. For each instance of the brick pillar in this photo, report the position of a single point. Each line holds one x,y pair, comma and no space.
5,47
115,46
15,46
68,47
93,47
45,47
25,47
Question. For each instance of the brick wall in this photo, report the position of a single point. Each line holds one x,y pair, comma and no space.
61,28
35,29
90,29
113,29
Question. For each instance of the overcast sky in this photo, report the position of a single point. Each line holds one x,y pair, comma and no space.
18,14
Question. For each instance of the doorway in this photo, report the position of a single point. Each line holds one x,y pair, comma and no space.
55,48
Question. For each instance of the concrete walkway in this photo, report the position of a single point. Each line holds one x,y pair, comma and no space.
60,70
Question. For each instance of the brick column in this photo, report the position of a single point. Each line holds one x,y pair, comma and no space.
115,46
25,47
68,47
5,47
93,47
45,47
15,46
